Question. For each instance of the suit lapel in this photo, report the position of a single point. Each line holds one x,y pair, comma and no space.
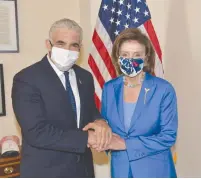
53,78
146,93
81,94
119,96
56,85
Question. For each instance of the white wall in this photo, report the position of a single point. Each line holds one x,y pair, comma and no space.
182,65
178,26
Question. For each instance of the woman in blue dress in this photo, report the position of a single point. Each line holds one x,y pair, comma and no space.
141,110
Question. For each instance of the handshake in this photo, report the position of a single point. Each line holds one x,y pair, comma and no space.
101,138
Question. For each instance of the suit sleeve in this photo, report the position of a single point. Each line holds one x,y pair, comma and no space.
36,129
104,104
104,108
143,146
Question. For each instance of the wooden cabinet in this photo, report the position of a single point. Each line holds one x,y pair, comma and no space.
10,167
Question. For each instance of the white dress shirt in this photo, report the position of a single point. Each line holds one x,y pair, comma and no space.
73,83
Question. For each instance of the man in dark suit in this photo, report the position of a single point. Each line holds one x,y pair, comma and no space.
53,101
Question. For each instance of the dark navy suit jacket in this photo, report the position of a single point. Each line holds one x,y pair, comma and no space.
52,145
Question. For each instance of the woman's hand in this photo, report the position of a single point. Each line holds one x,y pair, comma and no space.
117,143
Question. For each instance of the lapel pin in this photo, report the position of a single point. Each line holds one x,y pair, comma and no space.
145,96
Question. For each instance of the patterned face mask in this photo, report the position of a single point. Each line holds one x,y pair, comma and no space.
131,66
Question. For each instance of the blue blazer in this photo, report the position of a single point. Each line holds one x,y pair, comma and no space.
152,132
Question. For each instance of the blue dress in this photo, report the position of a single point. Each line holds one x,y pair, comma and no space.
129,109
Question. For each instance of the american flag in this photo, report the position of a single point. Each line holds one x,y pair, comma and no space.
115,16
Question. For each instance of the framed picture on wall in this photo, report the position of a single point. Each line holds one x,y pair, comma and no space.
2,93
9,36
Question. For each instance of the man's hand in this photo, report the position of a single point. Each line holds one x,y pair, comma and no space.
91,139
102,131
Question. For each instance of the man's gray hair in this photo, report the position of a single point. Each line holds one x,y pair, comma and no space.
66,23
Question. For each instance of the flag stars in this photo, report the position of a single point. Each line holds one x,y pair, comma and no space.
116,32
128,16
139,1
146,13
129,6
121,2
117,22
114,1
126,26
119,12
105,7
113,10
112,20
137,9
135,20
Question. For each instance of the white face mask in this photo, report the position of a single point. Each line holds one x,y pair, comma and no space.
63,59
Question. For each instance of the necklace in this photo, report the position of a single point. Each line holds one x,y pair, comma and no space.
133,85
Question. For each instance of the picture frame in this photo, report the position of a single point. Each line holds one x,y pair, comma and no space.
9,34
2,93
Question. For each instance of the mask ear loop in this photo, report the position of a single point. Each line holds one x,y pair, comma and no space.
49,53
145,59
50,43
